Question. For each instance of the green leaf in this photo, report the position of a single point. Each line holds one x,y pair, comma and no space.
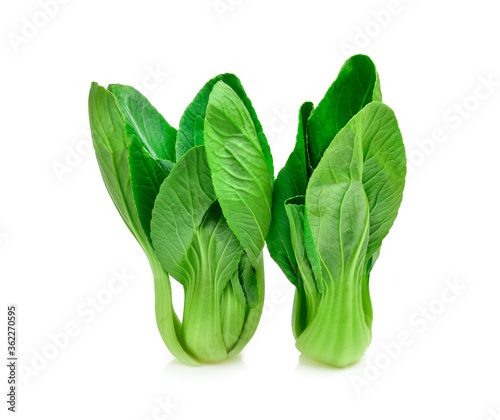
191,125
291,182
166,165
145,122
337,206
152,149
339,220
356,85
184,198
109,136
384,168
368,149
241,177
190,132
151,143
147,175
234,83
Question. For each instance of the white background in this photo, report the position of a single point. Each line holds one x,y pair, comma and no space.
62,240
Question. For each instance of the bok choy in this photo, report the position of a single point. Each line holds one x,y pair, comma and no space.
198,201
333,204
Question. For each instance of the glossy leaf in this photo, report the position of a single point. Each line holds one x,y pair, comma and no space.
356,85
241,177
384,168
191,125
145,122
147,175
184,198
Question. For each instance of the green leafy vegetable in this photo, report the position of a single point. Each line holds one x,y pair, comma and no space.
334,202
198,201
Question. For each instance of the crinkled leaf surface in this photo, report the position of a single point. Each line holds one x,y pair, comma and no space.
384,168
191,125
184,198
241,176
370,150
145,122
